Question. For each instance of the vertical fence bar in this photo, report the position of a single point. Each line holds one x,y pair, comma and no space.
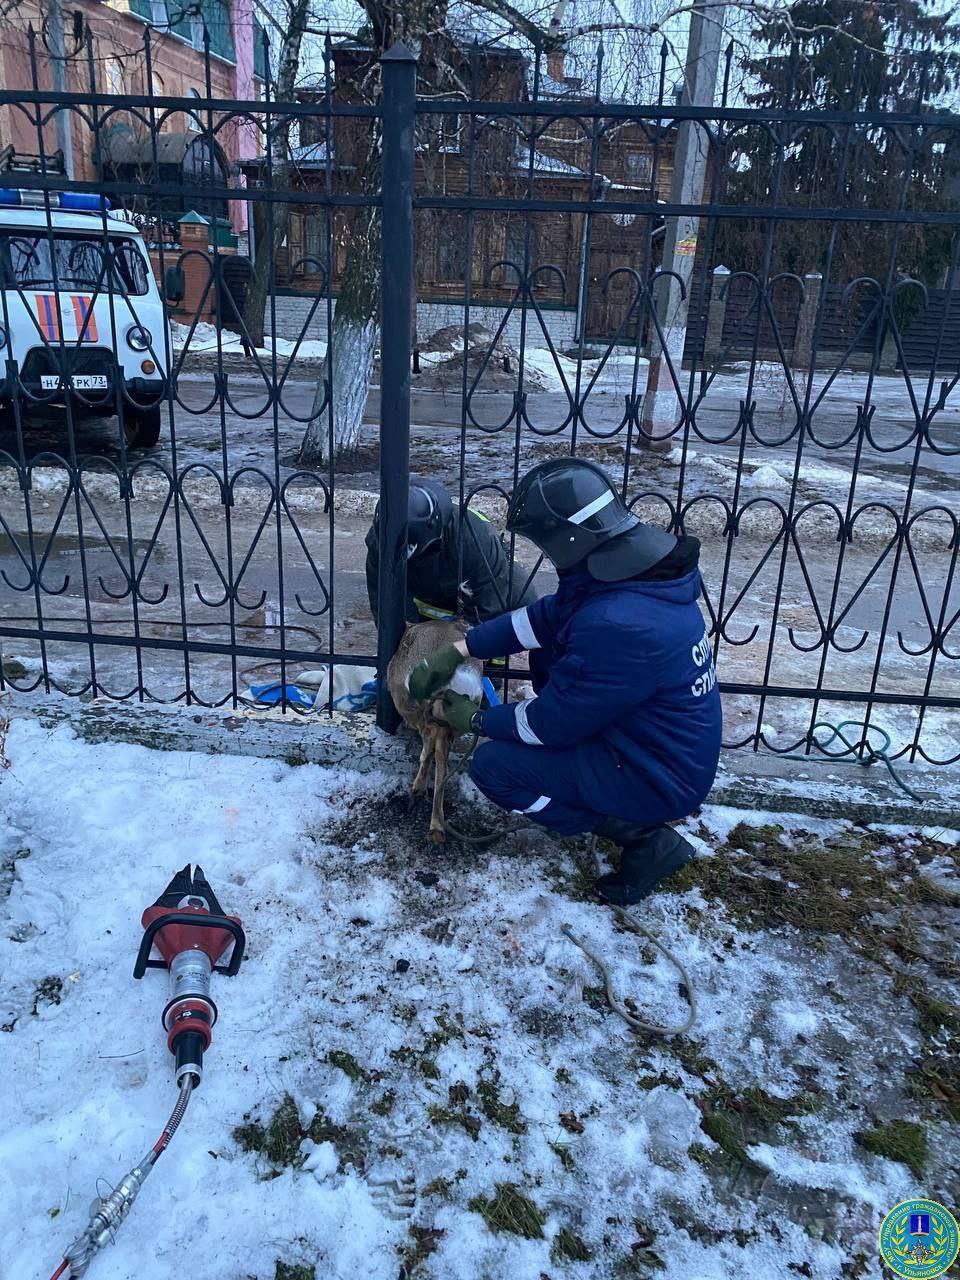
399,104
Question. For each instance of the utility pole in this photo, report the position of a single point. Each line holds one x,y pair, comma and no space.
57,47
658,415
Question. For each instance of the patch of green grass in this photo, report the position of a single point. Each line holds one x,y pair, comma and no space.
456,1116
936,1078
735,1121
727,1134
900,1140
568,1246
384,1104
652,1082
562,1152
348,1142
701,1154
505,1114
691,1057
509,1210
294,1271
13,670
438,1187
428,1068
348,1064
640,1263
835,884
278,1140
596,998
562,1076
444,1031
575,879
932,1014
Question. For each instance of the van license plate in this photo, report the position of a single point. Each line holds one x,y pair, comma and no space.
79,381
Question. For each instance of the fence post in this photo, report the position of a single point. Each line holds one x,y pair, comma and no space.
399,70
716,312
807,319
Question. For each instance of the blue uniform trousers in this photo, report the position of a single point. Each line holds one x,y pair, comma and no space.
548,784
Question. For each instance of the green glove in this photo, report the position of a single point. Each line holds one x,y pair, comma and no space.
430,675
458,711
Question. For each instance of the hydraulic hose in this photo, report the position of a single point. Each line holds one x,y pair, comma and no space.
108,1213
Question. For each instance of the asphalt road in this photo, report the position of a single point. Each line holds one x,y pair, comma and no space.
227,565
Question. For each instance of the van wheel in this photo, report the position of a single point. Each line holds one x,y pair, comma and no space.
141,427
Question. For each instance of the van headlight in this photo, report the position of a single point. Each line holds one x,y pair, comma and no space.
138,337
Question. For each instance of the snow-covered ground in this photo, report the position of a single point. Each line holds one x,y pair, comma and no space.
411,1031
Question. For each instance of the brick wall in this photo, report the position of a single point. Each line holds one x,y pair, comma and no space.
119,65
292,313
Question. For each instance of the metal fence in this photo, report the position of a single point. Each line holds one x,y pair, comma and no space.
160,540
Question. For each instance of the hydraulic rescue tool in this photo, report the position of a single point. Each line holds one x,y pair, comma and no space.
188,927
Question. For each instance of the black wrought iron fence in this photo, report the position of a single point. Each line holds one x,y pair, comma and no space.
187,474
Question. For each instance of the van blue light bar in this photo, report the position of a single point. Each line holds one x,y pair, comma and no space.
65,200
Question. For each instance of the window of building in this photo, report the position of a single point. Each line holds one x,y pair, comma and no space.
194,123
113,76
452,248
312,241
515,248
638,166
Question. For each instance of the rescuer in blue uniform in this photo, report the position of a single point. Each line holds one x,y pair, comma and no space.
623,736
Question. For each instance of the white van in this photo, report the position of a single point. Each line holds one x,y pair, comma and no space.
81,310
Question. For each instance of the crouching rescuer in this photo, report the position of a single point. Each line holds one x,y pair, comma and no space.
623,736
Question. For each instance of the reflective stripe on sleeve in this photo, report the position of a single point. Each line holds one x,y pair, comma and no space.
523,629
523,727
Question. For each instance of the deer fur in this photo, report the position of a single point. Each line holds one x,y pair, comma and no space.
420,641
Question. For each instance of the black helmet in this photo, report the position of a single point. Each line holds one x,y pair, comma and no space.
429,513
572,512
429,509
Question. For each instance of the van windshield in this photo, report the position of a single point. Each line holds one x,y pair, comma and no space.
36,260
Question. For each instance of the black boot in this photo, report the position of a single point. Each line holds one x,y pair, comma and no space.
650,855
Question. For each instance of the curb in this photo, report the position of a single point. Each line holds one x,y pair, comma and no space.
767,783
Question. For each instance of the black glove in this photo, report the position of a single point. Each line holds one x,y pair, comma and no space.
459,711
429,676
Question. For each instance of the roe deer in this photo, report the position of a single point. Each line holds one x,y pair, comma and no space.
420,641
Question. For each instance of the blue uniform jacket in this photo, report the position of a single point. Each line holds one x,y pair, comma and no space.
624,675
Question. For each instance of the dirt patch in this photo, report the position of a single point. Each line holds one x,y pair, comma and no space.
402,829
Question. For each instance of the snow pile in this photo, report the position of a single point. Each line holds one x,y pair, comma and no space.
206,338
428,1035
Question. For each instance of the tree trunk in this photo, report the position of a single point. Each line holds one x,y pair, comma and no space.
352,343
267,239
266,244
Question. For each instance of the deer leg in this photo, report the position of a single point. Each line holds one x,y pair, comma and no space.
438,827
428,742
